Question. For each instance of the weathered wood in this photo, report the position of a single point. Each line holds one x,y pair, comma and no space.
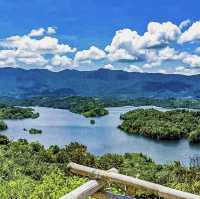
162,191
87,189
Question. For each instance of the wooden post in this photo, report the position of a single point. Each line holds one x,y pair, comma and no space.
87,189
162,191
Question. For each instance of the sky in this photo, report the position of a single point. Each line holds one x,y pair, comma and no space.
154,36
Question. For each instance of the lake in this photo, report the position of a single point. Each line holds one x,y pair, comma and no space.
62,127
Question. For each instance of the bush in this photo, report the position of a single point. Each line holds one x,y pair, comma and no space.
3,126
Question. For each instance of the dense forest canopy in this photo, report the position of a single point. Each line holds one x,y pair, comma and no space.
87,106
29,171
11,112
169,125
81,104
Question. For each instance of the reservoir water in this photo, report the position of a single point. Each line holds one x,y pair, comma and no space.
62,127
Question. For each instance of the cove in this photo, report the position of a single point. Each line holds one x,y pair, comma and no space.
61,127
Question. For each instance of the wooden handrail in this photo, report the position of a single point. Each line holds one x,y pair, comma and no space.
87,189
162,191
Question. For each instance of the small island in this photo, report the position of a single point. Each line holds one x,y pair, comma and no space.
35,131
92,121
169,125
3,126
12,112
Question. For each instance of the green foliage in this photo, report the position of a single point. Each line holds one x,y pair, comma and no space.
194,136
165,103
11,112
92,121
159,125
108,161
4,140
3,126
56,185
35,131
29,171
87,106
96,112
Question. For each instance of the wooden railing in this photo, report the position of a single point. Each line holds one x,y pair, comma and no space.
92,186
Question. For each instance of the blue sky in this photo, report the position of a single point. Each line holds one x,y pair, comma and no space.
90,34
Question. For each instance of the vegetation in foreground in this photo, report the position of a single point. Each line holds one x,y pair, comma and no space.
29,171
11,112
169,125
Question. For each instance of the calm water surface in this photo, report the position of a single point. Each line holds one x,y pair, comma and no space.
62,127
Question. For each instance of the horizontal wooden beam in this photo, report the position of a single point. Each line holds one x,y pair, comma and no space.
162,191
87,189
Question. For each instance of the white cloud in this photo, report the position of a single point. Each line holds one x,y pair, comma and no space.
133,68
109,66
185,24
151,65
162,71
29,51
8,62
65,61
93,53
185,71
42,31
128,44
37,32
51,30
192,34
38,61
153,50
167,54
191,59
44,45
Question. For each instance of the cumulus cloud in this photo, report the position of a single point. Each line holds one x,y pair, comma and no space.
51,30
192,34
185,24
109,66
134,68
58,60
93,53
37,32
128,44
162,45
185,71
35,49
42,31
190,59
38,61
44,45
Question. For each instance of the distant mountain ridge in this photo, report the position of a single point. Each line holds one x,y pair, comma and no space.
15,82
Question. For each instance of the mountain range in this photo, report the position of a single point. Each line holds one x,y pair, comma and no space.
19,83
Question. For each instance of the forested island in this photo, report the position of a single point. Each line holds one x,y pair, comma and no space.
187,103
169,125
30,171
86,106
35,131
92,106
12,112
